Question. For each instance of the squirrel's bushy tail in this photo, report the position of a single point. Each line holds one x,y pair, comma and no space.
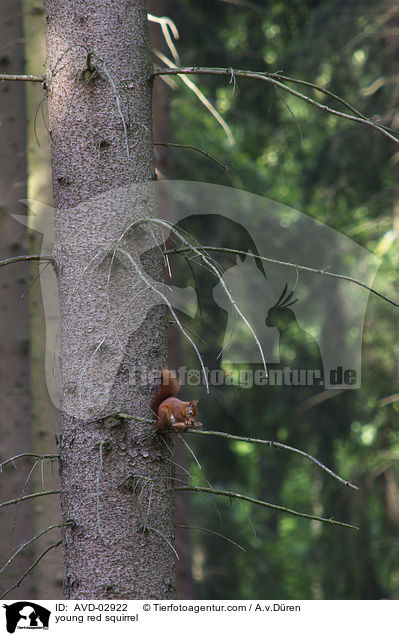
169,387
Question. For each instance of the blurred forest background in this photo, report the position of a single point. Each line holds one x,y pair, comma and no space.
345,176
342,174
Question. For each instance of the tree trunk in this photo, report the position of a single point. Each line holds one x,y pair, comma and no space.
14,352
116,474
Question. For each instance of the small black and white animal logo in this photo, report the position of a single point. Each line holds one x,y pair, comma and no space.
26,615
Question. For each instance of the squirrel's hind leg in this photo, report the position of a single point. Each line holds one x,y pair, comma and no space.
163,420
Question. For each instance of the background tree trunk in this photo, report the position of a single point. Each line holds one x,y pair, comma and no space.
116,479
14,350
48,573
164,164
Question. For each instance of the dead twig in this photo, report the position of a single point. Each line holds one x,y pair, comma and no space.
32,496
302,268
271,444
27,257
51,547
189,147
237,496
277,80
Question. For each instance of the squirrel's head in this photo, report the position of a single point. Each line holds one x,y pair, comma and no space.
192,410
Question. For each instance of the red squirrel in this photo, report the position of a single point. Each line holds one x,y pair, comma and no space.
169,410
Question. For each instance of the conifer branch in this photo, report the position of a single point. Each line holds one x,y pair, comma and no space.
298,268
30,541
25,574
237,496
189,147
39,456
32,496
271,444
22,78
277,80
27,257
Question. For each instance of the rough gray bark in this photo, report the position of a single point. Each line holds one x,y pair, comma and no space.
116,474
14,350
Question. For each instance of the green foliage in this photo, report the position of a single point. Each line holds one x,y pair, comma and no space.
341,174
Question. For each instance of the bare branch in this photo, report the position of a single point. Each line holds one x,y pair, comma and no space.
202,152
275,80
302,268
271,444
321,89
218,534
32,496
51,547
160,534
11,460
199,94
214,268
313,401
390,399
27,543
146,280
22,78
169,32
20,498
325,91
238,496
115,93
40,272
190,450
126,416
27,257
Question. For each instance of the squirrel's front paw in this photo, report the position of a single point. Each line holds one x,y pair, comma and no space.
193,424
179,427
